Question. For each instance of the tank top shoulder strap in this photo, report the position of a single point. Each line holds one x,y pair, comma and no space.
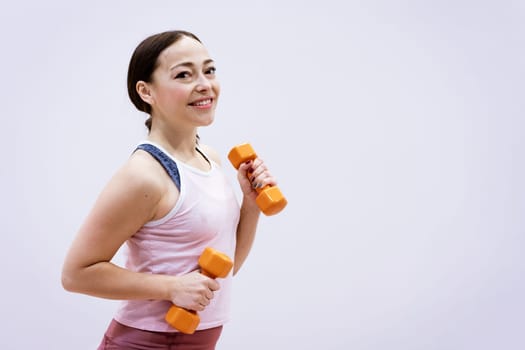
168,163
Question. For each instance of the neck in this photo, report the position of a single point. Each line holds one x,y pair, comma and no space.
182,145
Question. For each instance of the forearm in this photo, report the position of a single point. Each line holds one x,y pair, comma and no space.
107,280
246,229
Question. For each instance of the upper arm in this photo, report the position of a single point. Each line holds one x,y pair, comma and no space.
128,201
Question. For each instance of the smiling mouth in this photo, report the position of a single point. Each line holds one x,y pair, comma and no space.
202,103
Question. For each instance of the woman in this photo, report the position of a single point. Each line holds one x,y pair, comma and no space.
168,202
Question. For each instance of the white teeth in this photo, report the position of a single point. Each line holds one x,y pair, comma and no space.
203,102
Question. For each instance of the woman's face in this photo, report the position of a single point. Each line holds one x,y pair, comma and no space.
184,88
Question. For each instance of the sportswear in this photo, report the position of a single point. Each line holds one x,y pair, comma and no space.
206,214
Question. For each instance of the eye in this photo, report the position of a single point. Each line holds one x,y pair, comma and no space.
211,71
183,75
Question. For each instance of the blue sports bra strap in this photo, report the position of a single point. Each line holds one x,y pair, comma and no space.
164,160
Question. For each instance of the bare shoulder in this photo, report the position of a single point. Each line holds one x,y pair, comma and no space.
129,200
210,152
135,189
139,172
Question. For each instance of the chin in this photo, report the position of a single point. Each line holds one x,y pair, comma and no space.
207,121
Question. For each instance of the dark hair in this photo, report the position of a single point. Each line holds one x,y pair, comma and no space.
145,60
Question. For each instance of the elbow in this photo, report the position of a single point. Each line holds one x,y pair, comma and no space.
68,281
236,268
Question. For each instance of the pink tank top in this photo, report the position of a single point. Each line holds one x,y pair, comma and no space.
206,214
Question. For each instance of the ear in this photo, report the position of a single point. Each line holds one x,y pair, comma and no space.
144,91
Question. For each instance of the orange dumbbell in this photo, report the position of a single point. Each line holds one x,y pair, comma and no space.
269,199
213,264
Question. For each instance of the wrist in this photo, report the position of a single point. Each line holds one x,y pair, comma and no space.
249,204
166,286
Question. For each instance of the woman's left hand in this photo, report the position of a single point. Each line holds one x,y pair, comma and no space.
254,175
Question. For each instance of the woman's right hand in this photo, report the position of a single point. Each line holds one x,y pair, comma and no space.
192,291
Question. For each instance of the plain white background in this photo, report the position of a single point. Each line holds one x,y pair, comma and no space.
395,129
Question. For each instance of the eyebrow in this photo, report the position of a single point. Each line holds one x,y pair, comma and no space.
190,64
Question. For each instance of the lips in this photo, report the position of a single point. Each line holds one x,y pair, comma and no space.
203,102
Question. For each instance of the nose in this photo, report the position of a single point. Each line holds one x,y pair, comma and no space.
203,83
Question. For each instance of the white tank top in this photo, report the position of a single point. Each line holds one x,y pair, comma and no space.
206,214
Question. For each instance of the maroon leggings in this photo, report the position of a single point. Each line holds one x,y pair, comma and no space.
119,337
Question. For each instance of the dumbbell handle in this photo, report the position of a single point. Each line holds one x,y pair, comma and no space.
269,199
213,264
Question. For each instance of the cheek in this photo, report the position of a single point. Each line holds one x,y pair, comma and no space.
217,88
174,95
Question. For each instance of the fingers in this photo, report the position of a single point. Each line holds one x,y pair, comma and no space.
257,167
206,295
194,291
213,285
209,286
258,173
202,303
